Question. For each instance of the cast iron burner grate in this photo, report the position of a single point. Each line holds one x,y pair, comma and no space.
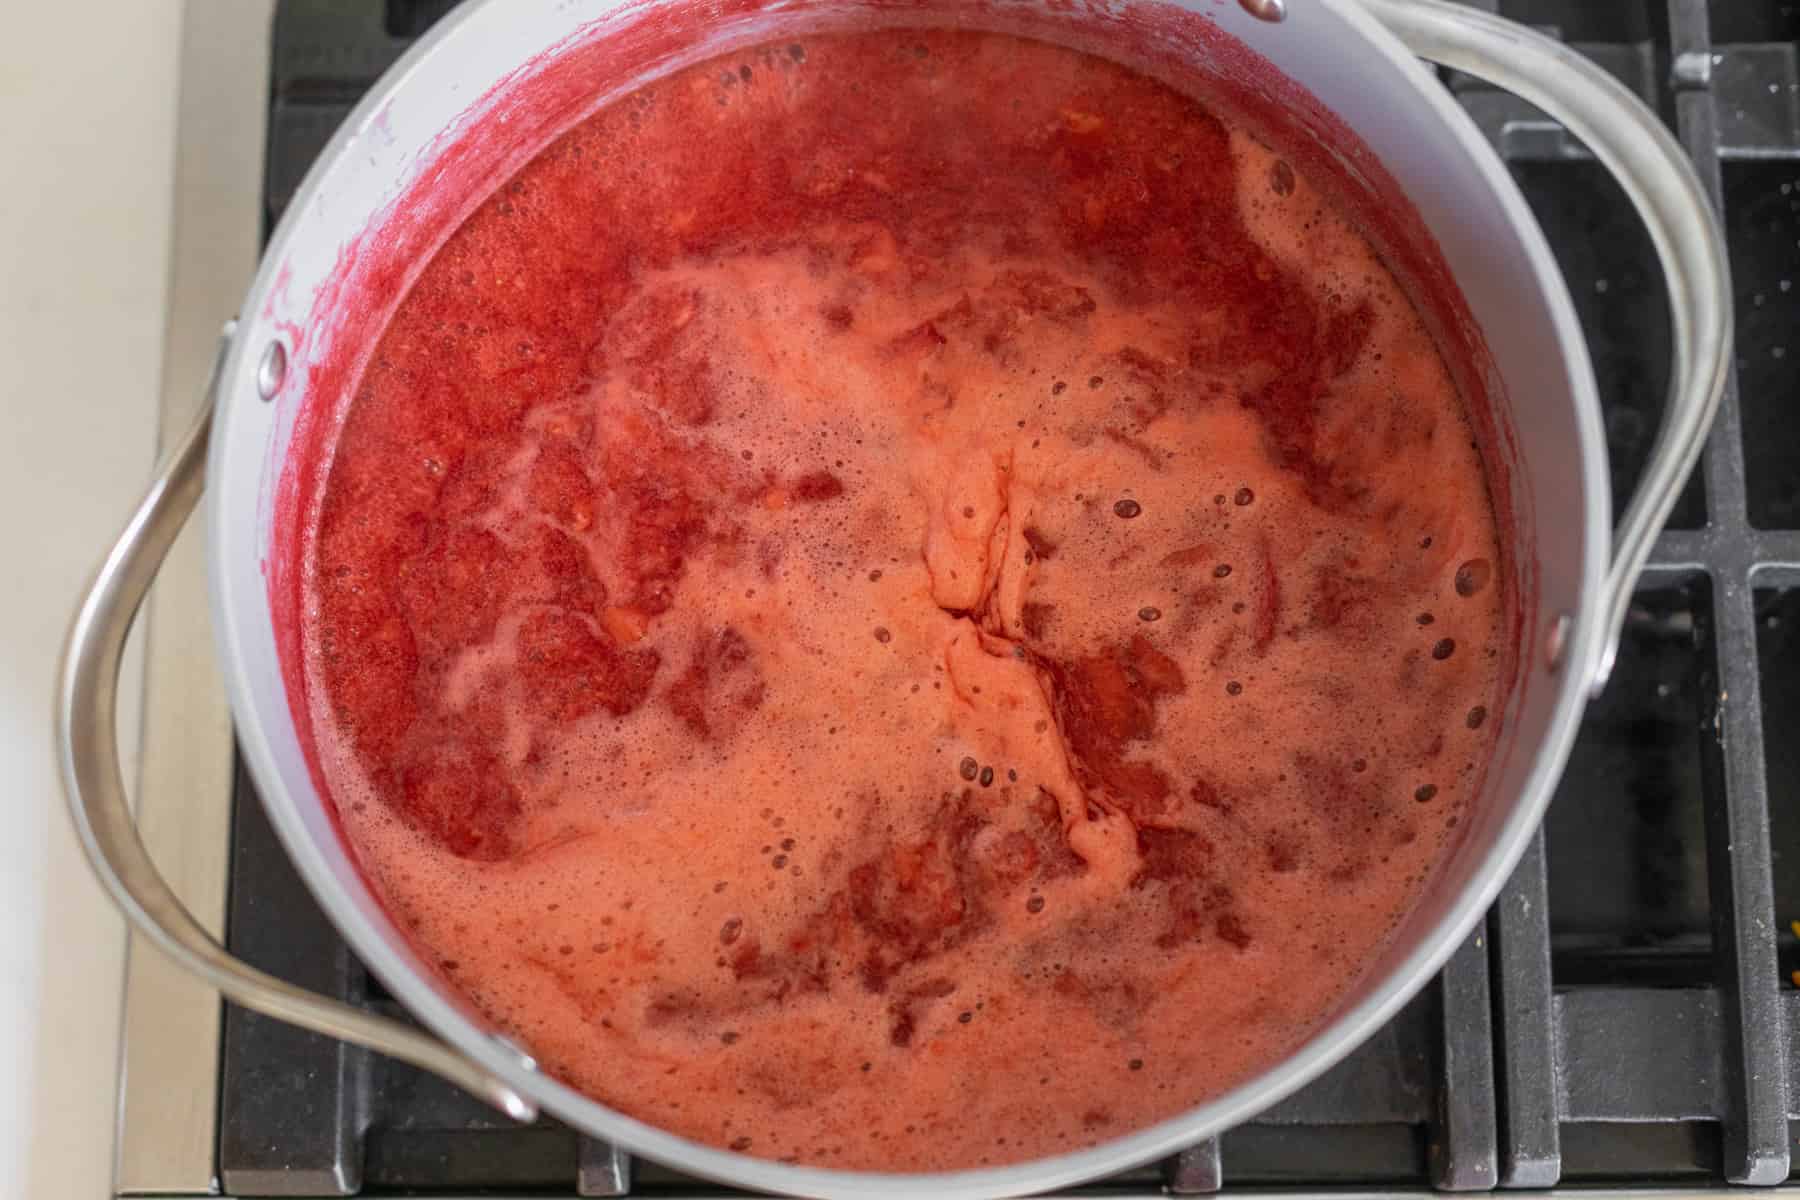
1622,1019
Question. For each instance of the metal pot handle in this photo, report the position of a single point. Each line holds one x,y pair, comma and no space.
87,738
1649,163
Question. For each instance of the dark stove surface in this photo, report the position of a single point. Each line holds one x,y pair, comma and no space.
1624,1016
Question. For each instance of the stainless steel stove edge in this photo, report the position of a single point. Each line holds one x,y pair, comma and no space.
1711,1193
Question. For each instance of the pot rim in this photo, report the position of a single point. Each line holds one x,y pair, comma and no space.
1329,1043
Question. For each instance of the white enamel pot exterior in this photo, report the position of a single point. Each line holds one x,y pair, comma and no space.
1354,56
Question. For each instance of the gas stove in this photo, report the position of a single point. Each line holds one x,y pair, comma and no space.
1625,1018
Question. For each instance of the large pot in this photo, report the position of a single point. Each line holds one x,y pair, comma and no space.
398,175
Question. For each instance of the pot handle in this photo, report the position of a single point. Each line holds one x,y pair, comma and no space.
1650,164
86,736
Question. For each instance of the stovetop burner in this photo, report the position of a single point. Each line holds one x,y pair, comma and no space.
1619,1020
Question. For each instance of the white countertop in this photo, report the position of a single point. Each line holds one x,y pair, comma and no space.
93,253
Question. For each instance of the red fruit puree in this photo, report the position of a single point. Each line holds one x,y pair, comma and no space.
904,601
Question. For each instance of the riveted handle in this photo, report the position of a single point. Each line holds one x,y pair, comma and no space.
1649,163
86,737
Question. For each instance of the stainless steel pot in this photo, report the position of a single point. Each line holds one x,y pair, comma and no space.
1357,58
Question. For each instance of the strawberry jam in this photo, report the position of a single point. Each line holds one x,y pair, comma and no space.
905,600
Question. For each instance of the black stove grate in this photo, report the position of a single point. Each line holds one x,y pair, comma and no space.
1623,1018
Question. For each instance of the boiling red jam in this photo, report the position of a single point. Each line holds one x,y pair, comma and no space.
904,600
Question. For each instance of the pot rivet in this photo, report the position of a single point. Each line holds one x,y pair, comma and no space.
1558,642
525,1058
271,370
1272,11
